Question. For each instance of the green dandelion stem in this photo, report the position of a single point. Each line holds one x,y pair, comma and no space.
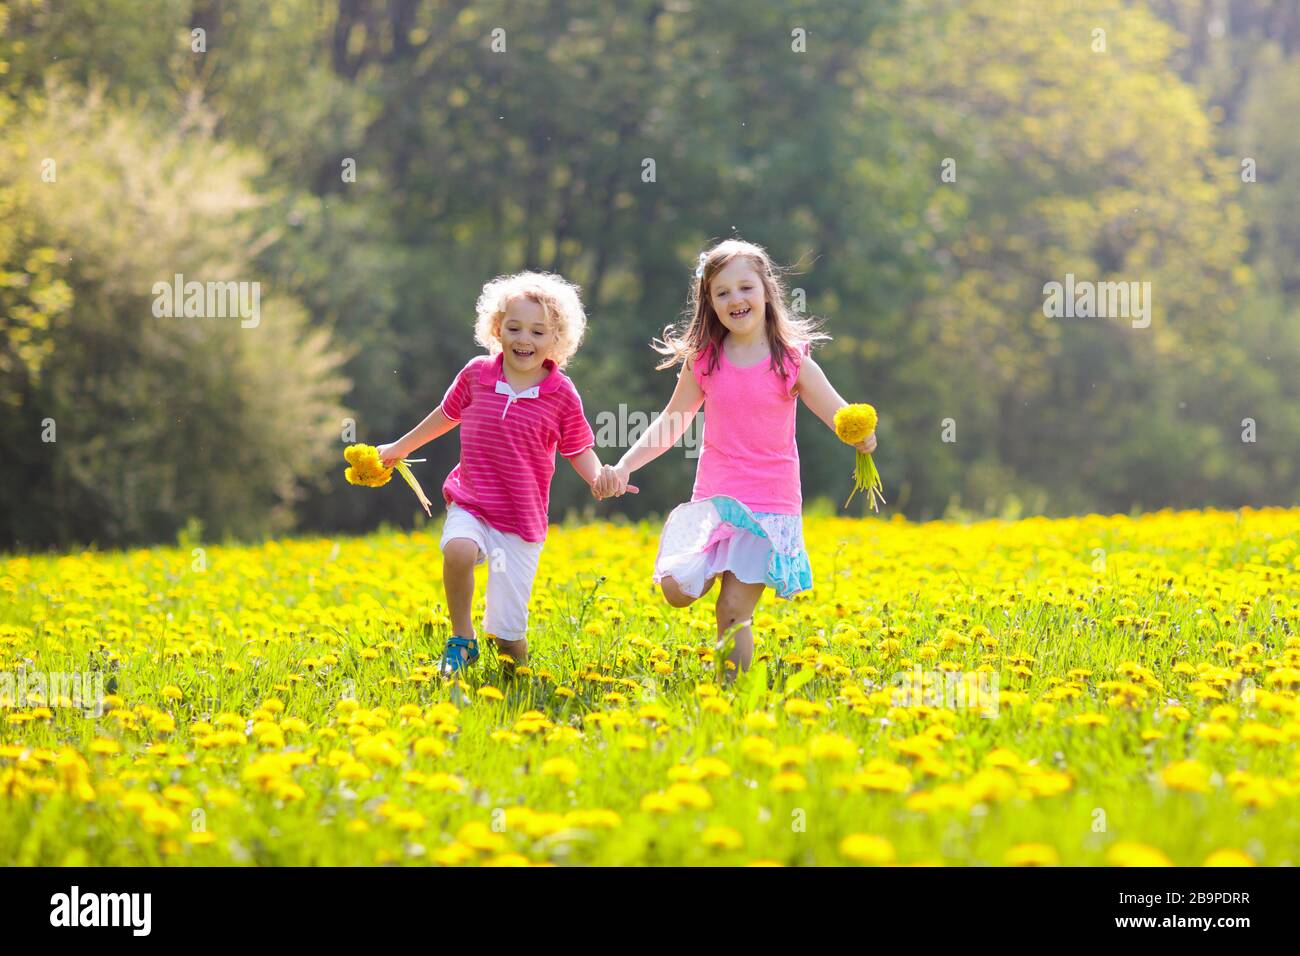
404,470
867,478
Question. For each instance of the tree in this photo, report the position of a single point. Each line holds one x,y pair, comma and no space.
156,417
1076,153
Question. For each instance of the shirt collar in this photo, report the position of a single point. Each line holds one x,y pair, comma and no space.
492,373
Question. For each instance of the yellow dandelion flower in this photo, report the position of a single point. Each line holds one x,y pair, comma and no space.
788,783
854,424
867,848
429,747
1229,857
707,767
1031,854
1256,793
453,854
157,819
690,795
595,819
1136,854
832,747
561,767
408,820
1189,776
478,836
1045,783
658,803
722,838
445,783
1089,720
1214,732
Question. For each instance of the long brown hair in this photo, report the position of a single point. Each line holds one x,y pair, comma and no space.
700,326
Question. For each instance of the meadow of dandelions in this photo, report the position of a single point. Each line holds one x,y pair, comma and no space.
279,704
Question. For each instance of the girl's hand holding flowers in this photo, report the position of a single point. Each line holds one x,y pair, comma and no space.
856,425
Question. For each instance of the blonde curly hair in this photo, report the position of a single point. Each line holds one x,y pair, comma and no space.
558,298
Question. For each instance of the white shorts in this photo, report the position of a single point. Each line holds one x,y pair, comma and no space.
512,565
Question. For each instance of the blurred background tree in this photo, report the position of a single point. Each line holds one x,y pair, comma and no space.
489,136
130,424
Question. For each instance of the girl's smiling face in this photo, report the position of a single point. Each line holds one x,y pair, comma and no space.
738,298
526,335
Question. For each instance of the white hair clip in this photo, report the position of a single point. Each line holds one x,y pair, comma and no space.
699,269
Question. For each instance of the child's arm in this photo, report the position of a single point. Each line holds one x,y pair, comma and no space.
435,425
665,430
822,399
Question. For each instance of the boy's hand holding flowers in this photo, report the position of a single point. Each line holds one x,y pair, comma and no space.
364,467
373,468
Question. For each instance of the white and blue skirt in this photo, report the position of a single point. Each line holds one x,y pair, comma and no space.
702,539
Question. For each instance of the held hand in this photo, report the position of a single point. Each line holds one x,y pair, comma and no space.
605,484
388,454
867,445
602,484
621,474
611,482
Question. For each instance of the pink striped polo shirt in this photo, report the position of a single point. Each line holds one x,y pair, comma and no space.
508,443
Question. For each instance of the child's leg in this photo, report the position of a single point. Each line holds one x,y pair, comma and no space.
736,603
459,555
512,566
516,650
463,546
675,596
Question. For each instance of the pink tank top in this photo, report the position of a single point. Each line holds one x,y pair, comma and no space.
748,450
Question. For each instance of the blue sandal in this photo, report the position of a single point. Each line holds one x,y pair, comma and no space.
451,658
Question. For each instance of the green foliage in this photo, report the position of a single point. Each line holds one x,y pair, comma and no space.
1269,136
157,418
1063,159
1120,164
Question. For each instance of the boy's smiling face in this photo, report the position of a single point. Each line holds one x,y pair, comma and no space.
737,295
526,335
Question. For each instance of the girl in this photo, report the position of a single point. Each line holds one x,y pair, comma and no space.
515,408
745,358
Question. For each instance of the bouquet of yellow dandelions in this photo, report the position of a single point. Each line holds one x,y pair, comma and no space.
365,468
853,424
